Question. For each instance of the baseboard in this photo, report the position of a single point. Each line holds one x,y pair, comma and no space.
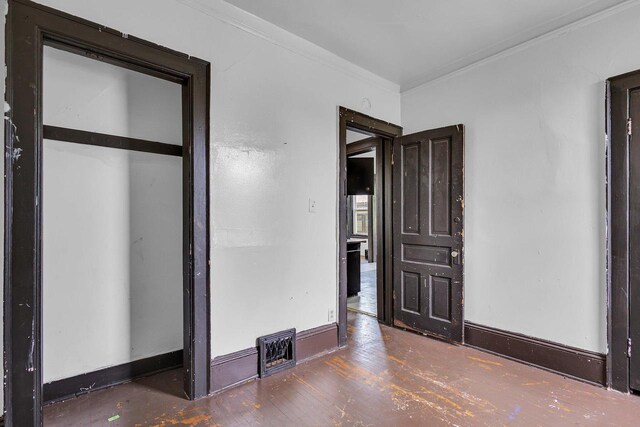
237,368
234,369
71,387
579,364
316,342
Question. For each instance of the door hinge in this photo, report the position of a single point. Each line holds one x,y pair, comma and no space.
393,156
629,126
629,347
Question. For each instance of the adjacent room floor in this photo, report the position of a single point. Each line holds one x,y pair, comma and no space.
366,300
386,377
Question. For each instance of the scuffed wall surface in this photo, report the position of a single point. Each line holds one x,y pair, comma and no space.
535,178
274,146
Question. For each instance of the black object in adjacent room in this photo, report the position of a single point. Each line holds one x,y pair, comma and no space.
360,176
353,267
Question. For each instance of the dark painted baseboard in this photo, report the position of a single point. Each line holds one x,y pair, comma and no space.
234,369
564,360
317,341
70,387
237,368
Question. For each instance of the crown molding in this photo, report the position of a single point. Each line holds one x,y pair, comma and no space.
423,82
258,27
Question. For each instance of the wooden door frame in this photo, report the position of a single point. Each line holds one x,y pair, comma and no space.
618,239
353,120
29,28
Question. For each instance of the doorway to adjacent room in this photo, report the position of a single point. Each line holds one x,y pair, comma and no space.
365,226
364,196
401,206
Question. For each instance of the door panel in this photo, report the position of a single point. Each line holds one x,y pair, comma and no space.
410,189
428,232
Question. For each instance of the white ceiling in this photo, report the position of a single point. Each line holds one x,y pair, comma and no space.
411,42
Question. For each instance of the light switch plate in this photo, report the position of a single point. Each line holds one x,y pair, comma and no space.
312,206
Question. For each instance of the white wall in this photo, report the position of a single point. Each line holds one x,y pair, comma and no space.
274,145
112,257
81,93
534,167
112,219
535,177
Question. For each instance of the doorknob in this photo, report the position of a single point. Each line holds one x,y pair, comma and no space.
455,255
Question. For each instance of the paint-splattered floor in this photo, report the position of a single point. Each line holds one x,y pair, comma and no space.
386,377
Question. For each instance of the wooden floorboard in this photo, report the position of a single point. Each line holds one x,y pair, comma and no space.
386,377
366,302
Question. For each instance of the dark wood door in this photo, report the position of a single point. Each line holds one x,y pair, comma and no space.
634,239
428,232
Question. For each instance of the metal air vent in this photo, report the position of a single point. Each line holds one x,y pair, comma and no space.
277,352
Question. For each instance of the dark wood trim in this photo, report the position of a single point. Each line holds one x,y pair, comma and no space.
350,218
362,146
234,369
110,141
237,368
618,225
571,362
68,46
316,342
197,234
349,119
385,227
81,384
29,27
368,125
371,232
359,236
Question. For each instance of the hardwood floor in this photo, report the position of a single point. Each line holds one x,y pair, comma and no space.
386,377
366,301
